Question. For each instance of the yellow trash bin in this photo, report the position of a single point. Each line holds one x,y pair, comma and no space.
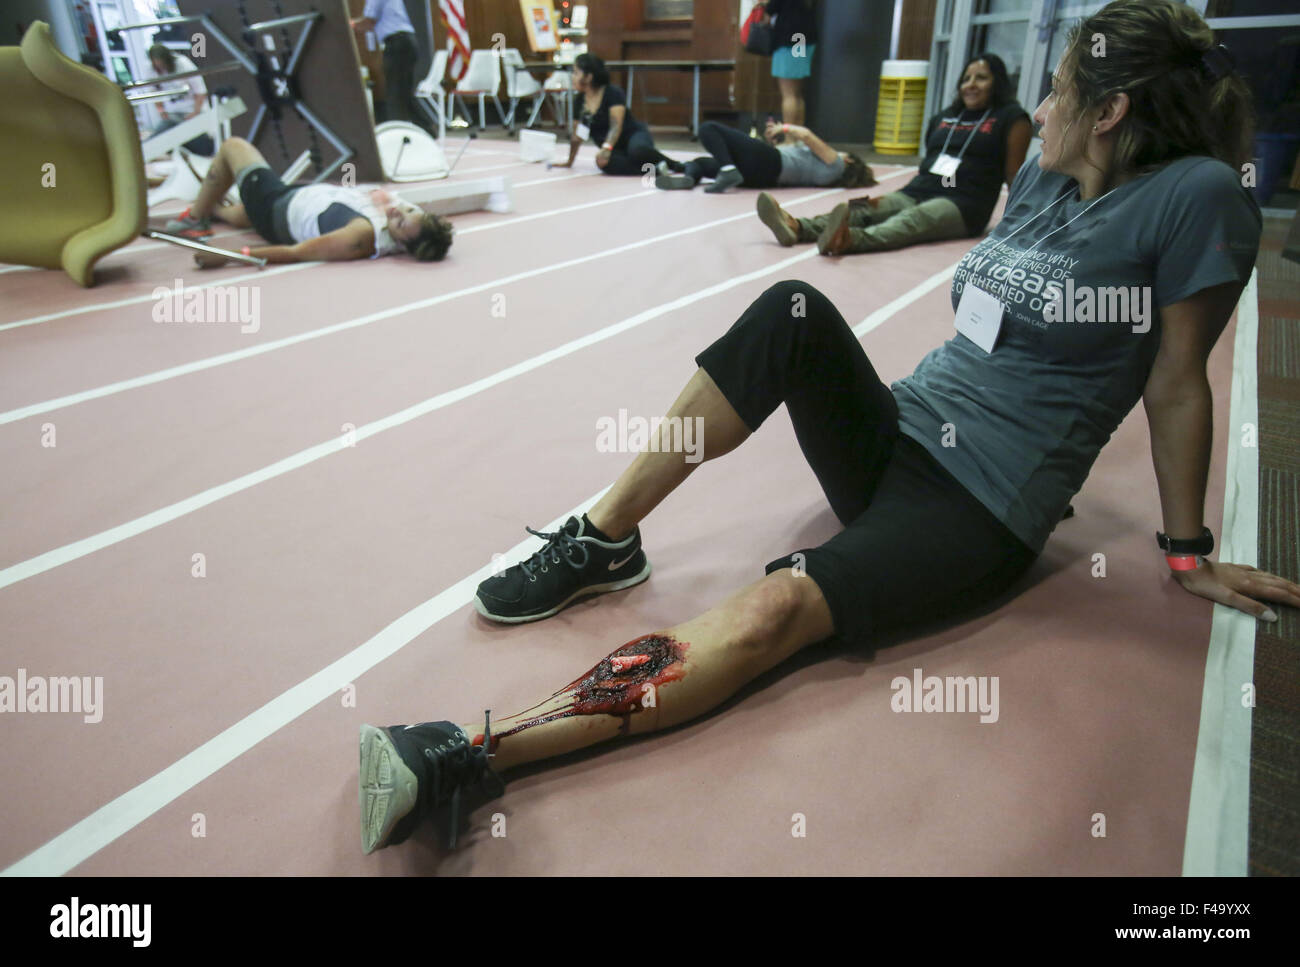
900,114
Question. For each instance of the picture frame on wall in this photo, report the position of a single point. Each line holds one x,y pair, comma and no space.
539,21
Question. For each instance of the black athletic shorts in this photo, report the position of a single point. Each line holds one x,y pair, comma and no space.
916,545
266,200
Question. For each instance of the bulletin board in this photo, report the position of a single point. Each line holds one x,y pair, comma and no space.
539,21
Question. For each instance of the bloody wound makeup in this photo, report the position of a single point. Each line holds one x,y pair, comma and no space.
616,686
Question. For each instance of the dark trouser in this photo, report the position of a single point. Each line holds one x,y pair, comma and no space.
916,544
757,161
632,155
399,80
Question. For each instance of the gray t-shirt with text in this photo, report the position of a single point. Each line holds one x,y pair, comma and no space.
1020,427
799,166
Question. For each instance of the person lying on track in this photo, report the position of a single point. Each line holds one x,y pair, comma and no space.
736,160
1138,185
307,223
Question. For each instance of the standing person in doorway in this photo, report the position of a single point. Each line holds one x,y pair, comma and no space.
392,27
796,41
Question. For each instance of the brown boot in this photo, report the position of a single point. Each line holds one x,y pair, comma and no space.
834,239
782,224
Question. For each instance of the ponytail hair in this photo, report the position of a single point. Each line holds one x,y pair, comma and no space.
1184,97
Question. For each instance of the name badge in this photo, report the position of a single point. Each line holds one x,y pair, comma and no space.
979,317
945,166
584,132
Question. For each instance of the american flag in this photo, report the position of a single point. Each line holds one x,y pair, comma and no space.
453,18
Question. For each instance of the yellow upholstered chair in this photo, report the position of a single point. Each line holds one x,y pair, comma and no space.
56,112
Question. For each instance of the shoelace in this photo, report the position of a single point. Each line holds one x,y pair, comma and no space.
559,545
461,764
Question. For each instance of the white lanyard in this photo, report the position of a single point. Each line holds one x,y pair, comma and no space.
952,130
1026,223
979,314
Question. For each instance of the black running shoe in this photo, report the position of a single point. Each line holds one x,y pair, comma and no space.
574,564
410,771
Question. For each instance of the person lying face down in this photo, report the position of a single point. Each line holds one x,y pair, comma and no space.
791,156
308,223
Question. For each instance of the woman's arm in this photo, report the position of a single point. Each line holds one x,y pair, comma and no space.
574,144
818,147
355,240
617,115
1179,406
1017,147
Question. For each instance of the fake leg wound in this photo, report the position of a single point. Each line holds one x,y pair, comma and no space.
621,684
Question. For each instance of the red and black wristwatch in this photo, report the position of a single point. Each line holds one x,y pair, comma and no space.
1186,555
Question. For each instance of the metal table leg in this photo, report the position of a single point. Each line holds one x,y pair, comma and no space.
695,106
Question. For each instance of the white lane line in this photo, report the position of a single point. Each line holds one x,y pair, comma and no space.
106,824
136,300
83,840
213,361
904,300
554,178
522,184
1218,810
235,279
131,249
506,222
78,549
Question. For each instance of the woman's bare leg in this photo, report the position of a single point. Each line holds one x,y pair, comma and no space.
654,475
792,105
234,155
668,677
233,215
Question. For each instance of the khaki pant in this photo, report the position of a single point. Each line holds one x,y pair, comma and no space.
892,221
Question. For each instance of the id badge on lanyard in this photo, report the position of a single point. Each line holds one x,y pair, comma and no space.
945,166
979,316
584,132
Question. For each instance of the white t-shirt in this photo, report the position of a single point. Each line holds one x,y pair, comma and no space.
183,104
307,204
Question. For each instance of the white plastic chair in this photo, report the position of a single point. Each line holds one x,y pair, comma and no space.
431,95
484,79
520,84
559,84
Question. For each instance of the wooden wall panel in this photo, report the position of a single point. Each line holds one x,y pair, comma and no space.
916,30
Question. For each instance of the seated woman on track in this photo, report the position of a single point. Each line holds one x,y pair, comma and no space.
307,223
1139,185
626,147
737,160
972,146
